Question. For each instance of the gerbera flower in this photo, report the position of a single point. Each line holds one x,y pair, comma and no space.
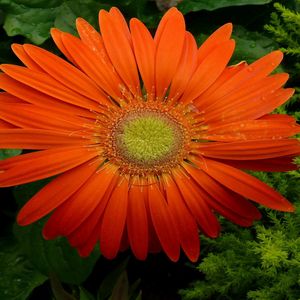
147,135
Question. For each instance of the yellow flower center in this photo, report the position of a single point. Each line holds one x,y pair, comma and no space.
147,137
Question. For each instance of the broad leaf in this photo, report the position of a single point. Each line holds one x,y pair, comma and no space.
251,45
33,19
6,153
196,5
55,256
18,278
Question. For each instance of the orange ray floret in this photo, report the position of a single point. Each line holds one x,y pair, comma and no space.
146,135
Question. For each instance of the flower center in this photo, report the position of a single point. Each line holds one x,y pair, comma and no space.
147,137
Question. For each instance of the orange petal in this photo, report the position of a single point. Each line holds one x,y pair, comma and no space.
57,38
31,116
278,164
119,49
81,235
6,98
72,213
38,139
221,35
171,13
114,219
6,125
246,77
25,58
246,185
144,49
48,85
250,130
187,66
206,220
137,224
250,150
242,98
208,71
261,106
100,70
91,38
57,68
86,249
42,164
187,227
225,198
163,222
39,99
154,245
169,47
204,100
55,193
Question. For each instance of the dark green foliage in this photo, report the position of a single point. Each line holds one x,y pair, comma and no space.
260,263
17,276
285,27
196,5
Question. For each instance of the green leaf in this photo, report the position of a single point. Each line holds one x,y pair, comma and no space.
6,153
17,276
196,5
110,280
33,19
85,295
121,288
55,256
251,45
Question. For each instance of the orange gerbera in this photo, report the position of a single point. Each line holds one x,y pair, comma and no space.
148,135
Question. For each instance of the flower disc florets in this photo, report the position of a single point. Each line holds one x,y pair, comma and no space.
148,139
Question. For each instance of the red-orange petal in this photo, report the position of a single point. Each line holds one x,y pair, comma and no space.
208,71
221,35
246,77
72,213
25,58
163,222
250,130
32,116
250,150
38,139
119,49
114,220
48,85
42,164
227,199
205,218
137,223
55,193
187,66
56,35
144,51
246,185
169,47
186,224
58,68
39,99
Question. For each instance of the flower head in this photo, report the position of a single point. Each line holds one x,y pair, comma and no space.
146,136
